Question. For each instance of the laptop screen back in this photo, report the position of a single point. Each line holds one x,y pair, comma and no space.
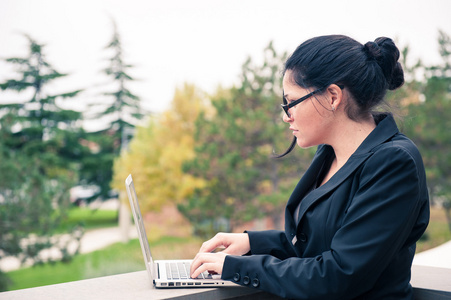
133,198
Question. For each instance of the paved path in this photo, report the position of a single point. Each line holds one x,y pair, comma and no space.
439,257
100,238
92,240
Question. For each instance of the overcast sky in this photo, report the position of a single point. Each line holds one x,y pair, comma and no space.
204,42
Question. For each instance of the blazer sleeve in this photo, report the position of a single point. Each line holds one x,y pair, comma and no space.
272,242
379,219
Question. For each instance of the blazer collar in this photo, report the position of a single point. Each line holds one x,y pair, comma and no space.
386,128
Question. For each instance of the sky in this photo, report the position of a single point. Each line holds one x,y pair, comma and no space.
203,42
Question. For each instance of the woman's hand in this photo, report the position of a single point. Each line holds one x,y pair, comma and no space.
233,243
211,262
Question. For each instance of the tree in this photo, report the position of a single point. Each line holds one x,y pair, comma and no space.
120,113
41,118
39,153
158,150
233,153
432,126
426,101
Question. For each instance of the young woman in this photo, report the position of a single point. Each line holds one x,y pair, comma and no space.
352,222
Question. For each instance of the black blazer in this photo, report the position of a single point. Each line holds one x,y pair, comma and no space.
356,234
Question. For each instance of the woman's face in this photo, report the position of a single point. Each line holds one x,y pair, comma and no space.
310,120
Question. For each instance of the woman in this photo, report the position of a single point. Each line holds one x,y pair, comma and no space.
352,222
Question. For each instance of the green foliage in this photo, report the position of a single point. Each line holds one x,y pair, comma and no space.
40,117
31,209
124,108
97,164
234,148
426,104
39,152
121,112
430,122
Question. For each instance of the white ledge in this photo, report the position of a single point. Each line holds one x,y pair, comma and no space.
428,283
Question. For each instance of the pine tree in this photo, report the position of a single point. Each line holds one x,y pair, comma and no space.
40,118
121,112
431,126
38,153
425,102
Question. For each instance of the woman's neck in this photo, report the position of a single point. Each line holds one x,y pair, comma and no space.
348,137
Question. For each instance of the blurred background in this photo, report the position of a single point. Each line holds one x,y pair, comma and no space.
185,95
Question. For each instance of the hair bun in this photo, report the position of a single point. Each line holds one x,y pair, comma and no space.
384,51
372,51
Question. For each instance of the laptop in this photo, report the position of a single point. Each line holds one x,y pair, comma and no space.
167,273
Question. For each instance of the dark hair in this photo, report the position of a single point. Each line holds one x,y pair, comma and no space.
366,71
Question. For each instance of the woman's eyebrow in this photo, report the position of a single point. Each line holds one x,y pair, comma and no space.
284,95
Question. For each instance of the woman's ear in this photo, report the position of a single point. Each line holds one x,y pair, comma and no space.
335,96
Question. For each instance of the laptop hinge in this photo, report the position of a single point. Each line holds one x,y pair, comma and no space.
156,271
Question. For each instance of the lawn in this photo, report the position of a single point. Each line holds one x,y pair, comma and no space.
116,259
88,218
437,232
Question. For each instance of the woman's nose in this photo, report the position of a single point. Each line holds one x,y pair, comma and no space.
286,118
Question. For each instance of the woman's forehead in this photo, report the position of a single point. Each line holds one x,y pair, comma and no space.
289,85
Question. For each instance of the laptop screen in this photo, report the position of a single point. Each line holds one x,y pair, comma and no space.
139,223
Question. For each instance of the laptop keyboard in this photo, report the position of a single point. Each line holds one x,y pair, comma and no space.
180,270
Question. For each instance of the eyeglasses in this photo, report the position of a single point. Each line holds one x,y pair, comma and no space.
286,106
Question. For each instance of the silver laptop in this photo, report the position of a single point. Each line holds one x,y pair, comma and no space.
167,273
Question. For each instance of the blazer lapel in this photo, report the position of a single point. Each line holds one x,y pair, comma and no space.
305,183
316,195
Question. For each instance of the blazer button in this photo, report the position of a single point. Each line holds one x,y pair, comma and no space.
237,277
302,237
246,280
255,282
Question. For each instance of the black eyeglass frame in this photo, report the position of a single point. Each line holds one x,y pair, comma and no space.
286,107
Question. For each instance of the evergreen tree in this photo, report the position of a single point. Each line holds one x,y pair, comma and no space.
234,149
430,126
425,102
38,154
40,119
120,112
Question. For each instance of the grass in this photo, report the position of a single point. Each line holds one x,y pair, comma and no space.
116,259
437,232
88,218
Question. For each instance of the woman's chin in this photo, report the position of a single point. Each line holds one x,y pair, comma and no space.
303,144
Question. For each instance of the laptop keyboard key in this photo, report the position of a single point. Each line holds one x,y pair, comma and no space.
174,271
183,274
180,270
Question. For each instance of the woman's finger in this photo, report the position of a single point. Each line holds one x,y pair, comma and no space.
207,262
216,242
